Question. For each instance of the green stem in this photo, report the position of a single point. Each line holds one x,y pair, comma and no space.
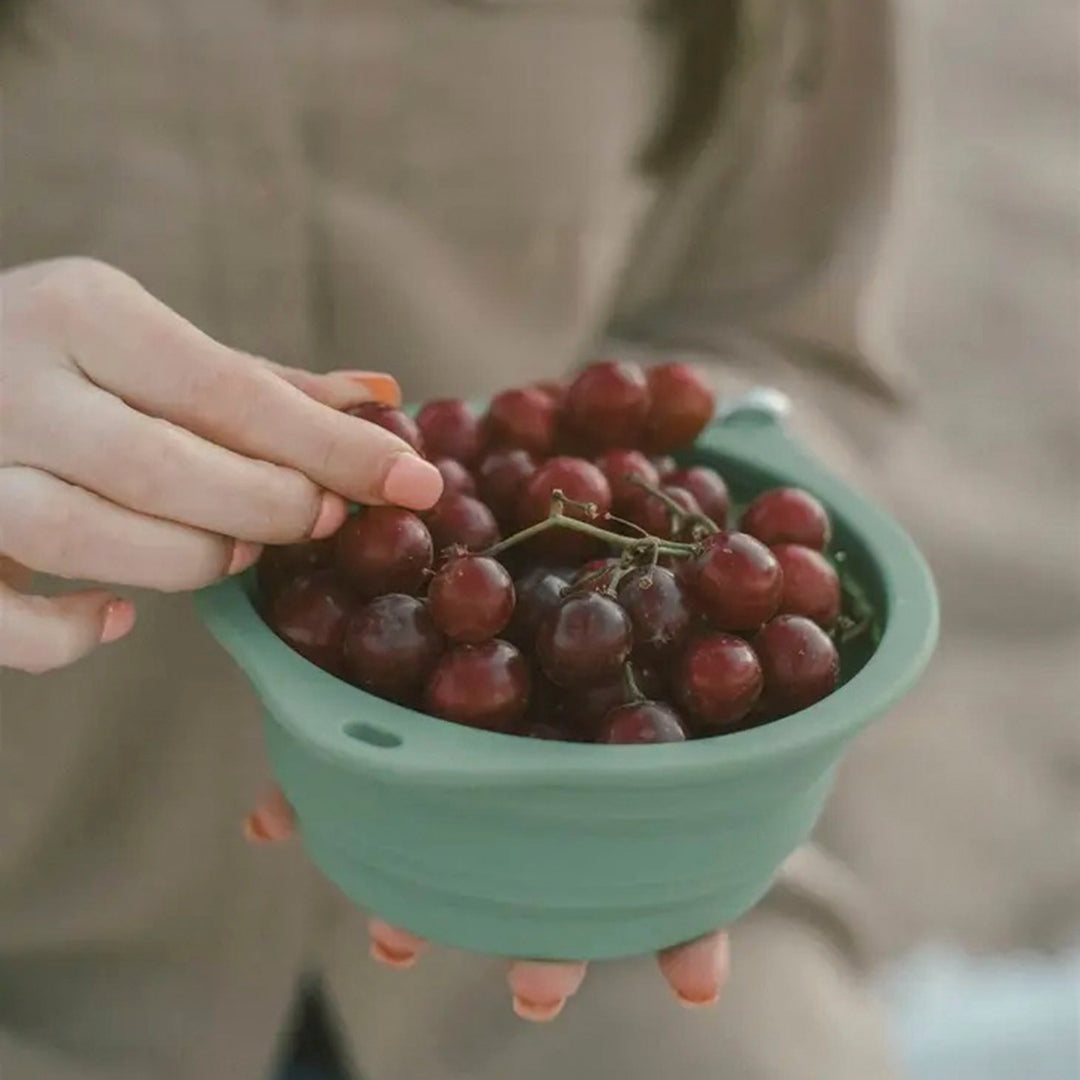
682,516
626,543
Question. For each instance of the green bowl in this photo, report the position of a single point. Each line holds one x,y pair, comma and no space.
527,848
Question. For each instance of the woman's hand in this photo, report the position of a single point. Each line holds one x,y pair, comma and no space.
135,450
696,971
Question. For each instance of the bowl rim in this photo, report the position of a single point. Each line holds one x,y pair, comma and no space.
440,752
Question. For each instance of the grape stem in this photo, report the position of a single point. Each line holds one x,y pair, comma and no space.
695,521
557,519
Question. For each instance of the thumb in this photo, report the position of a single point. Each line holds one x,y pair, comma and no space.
40,633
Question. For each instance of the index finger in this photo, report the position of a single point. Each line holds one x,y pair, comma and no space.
163,365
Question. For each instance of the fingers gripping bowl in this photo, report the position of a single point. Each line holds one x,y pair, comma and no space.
554,850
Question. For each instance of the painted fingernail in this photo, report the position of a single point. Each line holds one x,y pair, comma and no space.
383,388
399,960
332,514
255,831
244,554
412,482
688,1002
538,1012
118,621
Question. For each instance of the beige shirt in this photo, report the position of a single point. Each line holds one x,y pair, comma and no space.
451,191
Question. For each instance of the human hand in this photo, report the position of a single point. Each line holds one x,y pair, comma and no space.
135,450
696,971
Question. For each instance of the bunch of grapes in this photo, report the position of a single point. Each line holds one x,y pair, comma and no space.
573,582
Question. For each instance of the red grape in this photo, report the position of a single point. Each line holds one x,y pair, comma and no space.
718,680
394,420
800,663
586,638
607,404
577,479
384,549
642,723
681,406
554,388
309,613
457,480
538,592
502,476
811,584
450,428
658,610
619,466
736,581
523,419
482,686
391,644
461,521
471,599
279,564
666,467
788,516
708,488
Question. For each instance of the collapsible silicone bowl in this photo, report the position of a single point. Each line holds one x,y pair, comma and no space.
522,847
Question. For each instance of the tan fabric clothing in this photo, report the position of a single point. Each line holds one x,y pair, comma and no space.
450,191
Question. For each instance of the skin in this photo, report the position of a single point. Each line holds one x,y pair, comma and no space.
171,459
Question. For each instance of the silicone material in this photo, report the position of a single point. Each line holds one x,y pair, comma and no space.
527,848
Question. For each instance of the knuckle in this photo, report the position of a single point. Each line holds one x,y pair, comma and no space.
67,286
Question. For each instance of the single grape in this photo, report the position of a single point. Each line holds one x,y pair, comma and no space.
391,645
501,478
621,468
309,614
642,723
554,388
666,467
482,686
471,599
461,521
457,480
279,564
586,638
607,404
788,516
681,406
384,549
522,419
659,613
718,680
538,592
708,488
811,584
578,480
736,581
799,661
656,517
394,420
450,428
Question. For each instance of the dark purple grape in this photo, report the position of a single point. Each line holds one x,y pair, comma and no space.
799,661
384,549
391,645
587,638
450,428
482,686
642,723
471,599
309,614
659,613
461,521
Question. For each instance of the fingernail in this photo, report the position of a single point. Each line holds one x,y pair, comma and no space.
537,1012
688,1002
332,514
255,831
383,388
392,958
244,554
119,619
412,482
